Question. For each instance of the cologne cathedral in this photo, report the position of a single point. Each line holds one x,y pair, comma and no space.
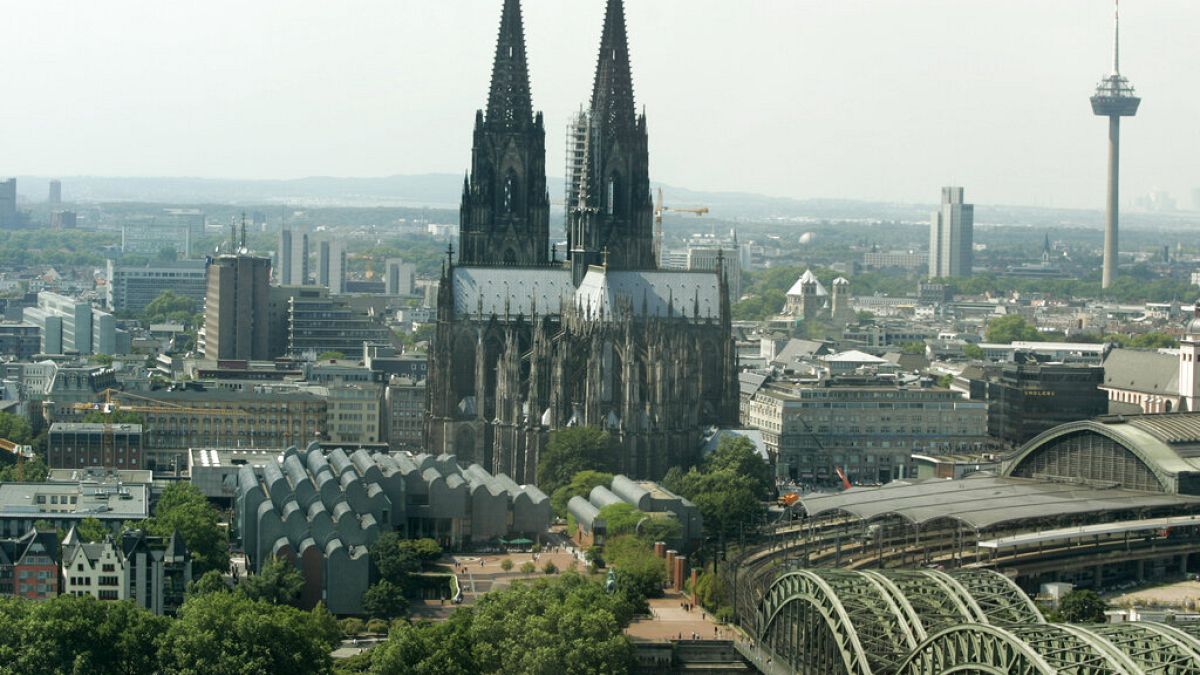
527,343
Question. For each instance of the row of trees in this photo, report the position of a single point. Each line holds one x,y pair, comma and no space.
1014,327
37,246
216,632
565,624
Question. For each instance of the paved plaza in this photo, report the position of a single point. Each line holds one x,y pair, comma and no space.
668,620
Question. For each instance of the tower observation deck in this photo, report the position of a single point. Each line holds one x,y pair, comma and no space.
1114,99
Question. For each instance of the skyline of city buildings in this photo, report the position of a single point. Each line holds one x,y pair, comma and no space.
808,410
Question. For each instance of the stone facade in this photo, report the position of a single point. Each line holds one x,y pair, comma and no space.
524,344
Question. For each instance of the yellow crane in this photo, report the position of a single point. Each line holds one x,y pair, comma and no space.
659,209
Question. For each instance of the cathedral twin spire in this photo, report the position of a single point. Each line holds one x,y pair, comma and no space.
505,208
509,101
612,93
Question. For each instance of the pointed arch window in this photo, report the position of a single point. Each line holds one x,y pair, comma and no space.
611,194
510,193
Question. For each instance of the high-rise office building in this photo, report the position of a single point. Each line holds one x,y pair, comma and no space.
71,325
130,289
319,323
331,266
235,308
401,277
8,203
293,257
951,236
55,197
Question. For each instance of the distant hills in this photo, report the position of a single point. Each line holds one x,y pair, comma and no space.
443,191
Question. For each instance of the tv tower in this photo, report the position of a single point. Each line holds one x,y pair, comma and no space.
1114,99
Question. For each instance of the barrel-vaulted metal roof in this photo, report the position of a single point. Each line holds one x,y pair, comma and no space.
1167,443
983,501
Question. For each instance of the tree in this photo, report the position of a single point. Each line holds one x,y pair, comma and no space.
443,648
425,549
351,626
972,351
549,568
528,567
396,558
562,625
183,508
581,485
102,359
211,581
639,571
1151,340
15,429
738,455
31,471
385,600
230,633
712,591
570,451
91,530
915,348
622,518
1083,606
169,306
945,381
726,500
506,564
73,634
1011,328
279,583
114,417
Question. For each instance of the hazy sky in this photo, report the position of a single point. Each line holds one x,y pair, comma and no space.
870,99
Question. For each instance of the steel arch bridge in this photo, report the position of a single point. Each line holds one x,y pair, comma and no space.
869,621
1105,649
922,622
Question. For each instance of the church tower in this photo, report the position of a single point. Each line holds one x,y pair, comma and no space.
1189,364
615,225
505,214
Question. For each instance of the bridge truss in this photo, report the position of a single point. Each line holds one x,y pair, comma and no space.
922,622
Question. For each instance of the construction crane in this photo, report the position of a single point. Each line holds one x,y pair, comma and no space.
661,208
21,452
111,404
842,475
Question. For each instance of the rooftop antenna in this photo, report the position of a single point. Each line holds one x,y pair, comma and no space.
1116,37
232,235
242,242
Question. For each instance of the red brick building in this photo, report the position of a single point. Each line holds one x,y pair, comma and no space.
29,565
